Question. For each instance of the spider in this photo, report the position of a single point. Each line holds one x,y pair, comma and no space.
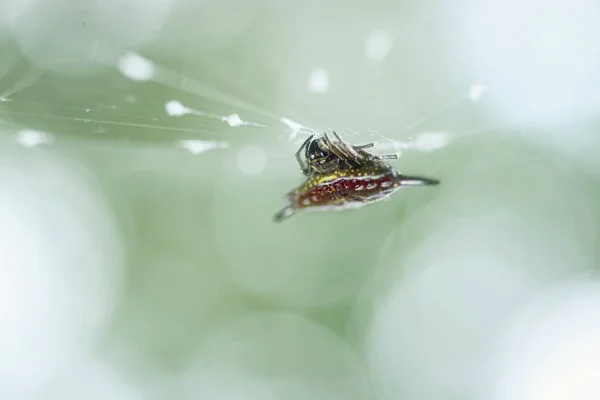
341,176
324,156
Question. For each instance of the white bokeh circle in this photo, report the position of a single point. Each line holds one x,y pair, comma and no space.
60,266
273,355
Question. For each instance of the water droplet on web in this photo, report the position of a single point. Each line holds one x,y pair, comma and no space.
233,120
318,82
200,146
136,67
176,109
31,138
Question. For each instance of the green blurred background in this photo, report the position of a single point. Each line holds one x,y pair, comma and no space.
140,259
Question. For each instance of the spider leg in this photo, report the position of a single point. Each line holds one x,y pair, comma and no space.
337,148
303,166
328,141
360,146
334,148
349,153
337,136
345,152
319,159
339,151
306,156
388,157
372,156
369,145
350,150
284,214
346,156
364,146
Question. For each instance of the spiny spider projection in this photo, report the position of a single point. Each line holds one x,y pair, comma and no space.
341,176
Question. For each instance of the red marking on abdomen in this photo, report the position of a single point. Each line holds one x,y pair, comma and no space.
347,189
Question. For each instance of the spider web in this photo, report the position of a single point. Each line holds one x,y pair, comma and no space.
191,114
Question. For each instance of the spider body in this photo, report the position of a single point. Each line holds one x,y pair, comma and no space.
324,156
341,176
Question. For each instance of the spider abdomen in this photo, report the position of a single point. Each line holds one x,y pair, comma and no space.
342,191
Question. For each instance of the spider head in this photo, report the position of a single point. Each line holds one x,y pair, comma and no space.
318,149
320,157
